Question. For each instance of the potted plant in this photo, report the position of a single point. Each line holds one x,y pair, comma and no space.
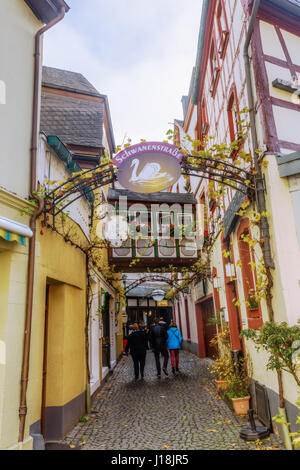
222,369
238,390
252,300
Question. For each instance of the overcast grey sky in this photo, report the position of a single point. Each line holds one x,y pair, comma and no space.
137,52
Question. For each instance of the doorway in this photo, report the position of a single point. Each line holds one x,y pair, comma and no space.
208,313
44,383
206,328
106,333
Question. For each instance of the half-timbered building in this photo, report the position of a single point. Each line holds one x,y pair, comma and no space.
248,67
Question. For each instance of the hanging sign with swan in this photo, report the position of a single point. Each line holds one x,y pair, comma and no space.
149,167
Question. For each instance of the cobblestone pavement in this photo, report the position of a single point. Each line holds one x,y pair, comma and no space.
176,412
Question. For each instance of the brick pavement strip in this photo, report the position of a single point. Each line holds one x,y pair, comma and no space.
181,412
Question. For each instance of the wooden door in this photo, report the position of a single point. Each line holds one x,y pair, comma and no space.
210,331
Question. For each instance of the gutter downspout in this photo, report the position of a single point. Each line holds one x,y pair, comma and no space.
35,215
260,196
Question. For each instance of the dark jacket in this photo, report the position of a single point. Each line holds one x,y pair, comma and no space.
137,342
158,337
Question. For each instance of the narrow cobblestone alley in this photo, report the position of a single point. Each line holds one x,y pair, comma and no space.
175,413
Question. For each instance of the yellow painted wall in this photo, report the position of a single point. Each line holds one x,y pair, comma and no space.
13,275
119,344
64,267
66,373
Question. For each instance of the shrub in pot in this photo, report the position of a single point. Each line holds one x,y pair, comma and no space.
222,369
238,391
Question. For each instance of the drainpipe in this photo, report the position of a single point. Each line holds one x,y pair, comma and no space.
260,196
35,215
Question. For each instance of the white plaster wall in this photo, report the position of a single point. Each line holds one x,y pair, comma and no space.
293,43
193,321
275,71
183,318
285,246
270,41
294,183
94,353
50,167
288,124
113,353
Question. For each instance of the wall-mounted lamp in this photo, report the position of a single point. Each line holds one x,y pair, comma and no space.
158,295
102,298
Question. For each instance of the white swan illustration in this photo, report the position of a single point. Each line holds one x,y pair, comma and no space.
151,171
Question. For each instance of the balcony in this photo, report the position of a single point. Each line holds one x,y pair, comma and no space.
158,245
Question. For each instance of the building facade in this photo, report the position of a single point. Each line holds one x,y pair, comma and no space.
21,22
248,65
58,301
75,122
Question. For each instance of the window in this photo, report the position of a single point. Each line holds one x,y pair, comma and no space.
214,67
202,125
249,277
222,29
204,119
233,117
231,292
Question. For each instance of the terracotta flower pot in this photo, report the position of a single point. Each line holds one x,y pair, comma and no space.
241,405
222,384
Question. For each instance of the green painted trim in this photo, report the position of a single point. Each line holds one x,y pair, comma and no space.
156,248
74,167
288,165
102,298
67,157
60,149
177,248
133,248
201,36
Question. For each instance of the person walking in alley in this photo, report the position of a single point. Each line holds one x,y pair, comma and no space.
174,343
137,345
158,340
